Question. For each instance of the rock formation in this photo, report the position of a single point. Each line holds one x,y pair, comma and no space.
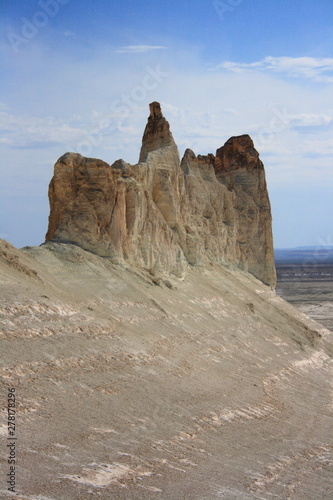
157,133
165,214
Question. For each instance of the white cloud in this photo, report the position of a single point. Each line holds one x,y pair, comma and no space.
311,68
23,131
5,140
310,120
202,114
139,49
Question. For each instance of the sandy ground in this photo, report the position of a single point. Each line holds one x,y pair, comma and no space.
133,386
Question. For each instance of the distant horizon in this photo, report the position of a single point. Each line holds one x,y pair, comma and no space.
304,247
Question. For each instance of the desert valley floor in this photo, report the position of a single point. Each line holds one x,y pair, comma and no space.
309,288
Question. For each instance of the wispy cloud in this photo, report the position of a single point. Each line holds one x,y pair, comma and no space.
311,68
310,120
137,49
29,132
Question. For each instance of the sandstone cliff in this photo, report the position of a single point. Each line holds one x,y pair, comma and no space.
164,214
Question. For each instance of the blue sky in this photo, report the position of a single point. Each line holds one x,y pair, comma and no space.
79,76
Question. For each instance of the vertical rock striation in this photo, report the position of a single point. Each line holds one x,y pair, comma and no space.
237,166
163,213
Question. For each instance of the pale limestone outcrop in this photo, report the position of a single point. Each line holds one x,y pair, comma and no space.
165,214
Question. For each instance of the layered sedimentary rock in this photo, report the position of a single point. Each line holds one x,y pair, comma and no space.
165,214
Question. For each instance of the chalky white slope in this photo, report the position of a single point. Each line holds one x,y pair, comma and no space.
138,386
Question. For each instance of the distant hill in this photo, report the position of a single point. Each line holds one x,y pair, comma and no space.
309,255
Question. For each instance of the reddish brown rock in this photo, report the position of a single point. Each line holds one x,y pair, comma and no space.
163,214
157,133
238,167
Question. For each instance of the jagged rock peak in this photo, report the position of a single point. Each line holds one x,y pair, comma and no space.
157,133
237,152
163,214
155,110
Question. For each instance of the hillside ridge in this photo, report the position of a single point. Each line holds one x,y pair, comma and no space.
139,385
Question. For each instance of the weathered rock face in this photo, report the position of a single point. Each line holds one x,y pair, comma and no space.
157,133
163,214
237,165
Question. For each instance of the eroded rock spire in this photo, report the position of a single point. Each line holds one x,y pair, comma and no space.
163,214
157,133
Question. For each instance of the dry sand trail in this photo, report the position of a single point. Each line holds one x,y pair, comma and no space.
134,386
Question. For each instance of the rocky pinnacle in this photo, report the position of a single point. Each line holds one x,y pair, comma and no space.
157,133
165,214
